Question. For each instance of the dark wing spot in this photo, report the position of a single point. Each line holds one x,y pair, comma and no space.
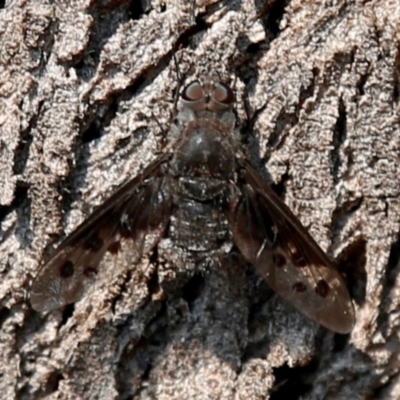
279,260
299,287
322,289
114,247
67,269
90,272
93,242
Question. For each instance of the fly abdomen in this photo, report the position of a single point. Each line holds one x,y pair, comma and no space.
201,189
198,226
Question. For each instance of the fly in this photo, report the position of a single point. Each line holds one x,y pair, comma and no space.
203,196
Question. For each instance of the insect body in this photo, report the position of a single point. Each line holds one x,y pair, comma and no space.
202,195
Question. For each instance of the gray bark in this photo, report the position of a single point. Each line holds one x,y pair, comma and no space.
86,88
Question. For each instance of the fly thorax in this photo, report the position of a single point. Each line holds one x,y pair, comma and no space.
204,153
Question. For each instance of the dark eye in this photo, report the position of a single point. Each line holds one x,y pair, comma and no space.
223,94
193,92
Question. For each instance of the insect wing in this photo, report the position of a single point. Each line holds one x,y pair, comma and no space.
138,212
271,238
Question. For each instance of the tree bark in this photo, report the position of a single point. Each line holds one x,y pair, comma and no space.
87,91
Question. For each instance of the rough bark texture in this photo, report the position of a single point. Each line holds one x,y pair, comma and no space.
86,88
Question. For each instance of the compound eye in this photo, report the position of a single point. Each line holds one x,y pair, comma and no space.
193,92
223,94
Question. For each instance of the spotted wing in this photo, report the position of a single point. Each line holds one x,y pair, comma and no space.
139,212
271,238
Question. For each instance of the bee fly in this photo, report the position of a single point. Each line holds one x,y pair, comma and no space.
201,194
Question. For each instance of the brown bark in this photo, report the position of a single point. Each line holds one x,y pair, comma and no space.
85,88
